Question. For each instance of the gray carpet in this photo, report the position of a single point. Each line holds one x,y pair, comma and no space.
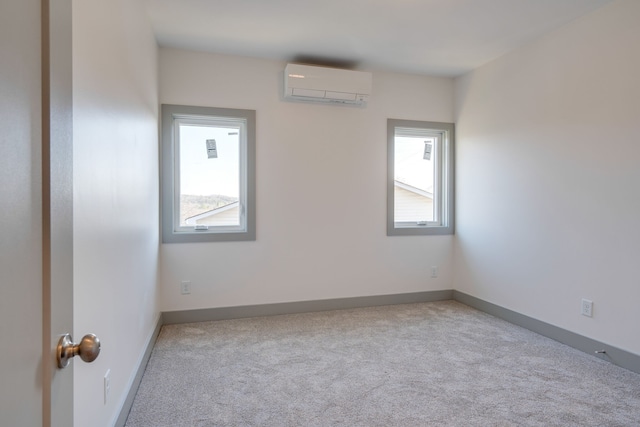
430,364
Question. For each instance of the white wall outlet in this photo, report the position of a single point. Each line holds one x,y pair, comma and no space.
185,287
434,271
107,385
587,308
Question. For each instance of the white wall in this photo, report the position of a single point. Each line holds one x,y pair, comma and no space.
321,191
548,177
115,197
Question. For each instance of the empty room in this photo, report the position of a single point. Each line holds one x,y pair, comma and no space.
279,213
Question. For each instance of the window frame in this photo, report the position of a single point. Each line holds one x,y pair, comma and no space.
443,154
172,232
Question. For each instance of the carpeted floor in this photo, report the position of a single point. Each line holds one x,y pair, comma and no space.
429,364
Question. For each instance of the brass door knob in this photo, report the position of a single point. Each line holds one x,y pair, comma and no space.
88,349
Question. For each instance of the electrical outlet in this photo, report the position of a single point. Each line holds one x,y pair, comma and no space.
434,271
185,287
587,308
107,385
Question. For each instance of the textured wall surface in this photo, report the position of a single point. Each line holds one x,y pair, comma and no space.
321,191
548,176
115,197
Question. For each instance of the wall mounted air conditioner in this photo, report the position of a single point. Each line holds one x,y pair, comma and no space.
322,84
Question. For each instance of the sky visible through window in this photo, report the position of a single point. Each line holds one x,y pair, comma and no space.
200,175
410,166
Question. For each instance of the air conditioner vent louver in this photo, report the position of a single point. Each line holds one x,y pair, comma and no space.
330,85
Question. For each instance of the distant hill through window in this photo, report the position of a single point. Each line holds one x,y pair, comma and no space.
192,205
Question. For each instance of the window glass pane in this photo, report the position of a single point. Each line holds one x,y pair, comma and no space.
414,178
209,181
208,174
419,178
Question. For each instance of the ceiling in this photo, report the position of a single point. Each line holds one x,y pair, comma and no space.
435,37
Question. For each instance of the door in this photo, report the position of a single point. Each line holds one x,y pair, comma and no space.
21,213
35,214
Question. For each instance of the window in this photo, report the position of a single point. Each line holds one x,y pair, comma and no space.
419,178
208,174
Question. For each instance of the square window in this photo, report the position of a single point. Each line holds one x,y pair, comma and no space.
419,178
208,174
